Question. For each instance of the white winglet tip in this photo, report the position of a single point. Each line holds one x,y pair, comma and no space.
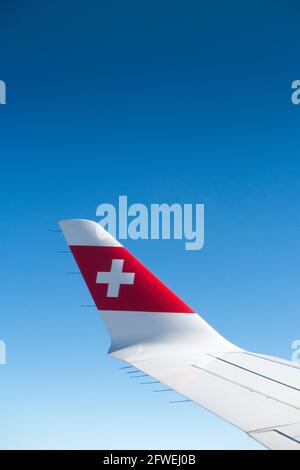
83,232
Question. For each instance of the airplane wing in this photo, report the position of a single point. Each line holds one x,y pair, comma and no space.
155,331
258,394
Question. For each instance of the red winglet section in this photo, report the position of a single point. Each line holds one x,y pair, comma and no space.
115,278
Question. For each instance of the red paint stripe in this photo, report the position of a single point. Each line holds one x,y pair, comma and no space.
147,294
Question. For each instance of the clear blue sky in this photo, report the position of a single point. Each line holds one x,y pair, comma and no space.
164,102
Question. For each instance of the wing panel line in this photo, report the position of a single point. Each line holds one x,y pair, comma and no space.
255,373
245,387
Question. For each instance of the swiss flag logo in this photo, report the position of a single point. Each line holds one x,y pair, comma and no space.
115,278
118,281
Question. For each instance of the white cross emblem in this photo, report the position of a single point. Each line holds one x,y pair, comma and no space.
115,278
